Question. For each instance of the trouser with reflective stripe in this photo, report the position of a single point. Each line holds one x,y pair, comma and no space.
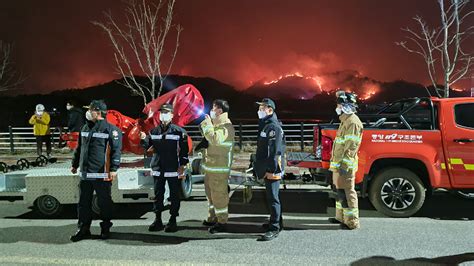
346,199
174,186
217,196
104,200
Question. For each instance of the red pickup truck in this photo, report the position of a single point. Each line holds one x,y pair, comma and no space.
409,149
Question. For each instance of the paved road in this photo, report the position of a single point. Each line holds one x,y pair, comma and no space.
441,233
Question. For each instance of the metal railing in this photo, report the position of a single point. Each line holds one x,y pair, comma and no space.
22,138
297,134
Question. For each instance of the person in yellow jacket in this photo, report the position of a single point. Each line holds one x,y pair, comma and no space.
40,122
219,132
344,161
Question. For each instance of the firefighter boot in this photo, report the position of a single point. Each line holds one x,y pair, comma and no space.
207,223
218,228
351,218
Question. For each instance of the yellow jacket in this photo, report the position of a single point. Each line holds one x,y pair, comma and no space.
40,124
347,143
220,134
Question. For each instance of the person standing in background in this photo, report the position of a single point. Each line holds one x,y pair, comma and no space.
40,122
75,117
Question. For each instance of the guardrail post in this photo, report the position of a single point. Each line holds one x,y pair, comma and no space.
12,145
302,136
240,135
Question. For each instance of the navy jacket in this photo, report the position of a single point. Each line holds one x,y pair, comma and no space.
99,150
270,156
170,147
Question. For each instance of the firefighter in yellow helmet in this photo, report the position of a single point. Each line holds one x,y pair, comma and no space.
219,132
344,161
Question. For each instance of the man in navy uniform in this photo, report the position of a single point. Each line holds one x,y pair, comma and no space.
170,156
98,158
269,163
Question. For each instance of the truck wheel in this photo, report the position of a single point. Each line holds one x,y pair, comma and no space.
397,192
196,166
47,206
465,195
186,186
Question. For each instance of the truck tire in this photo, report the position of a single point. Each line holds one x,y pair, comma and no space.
186,186
196,166
47,206
397,192
465,195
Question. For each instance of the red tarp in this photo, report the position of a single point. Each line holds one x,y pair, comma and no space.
188,105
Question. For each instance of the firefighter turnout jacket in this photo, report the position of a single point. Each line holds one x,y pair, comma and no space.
98,151
220,134
347,143
270,147
170,145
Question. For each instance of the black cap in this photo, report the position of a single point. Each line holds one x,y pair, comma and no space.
167,107
97,105
269,102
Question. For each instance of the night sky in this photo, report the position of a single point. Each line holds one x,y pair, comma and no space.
237,42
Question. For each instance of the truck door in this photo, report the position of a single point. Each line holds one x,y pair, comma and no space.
459,142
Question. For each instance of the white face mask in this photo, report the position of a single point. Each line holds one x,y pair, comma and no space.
68,107
165,117
89,115
338,111
213,114
39,112
347,109
261,114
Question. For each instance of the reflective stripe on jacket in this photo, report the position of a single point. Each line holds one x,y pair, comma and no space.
347,143
220,134
170,148
99,150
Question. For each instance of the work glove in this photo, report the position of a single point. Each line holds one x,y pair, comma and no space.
343,172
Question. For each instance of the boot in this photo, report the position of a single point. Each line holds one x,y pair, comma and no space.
157,224
351,218
172,226
105,230
207,223
218,228
82,233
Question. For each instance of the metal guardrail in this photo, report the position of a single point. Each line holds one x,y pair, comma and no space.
22,138
297,134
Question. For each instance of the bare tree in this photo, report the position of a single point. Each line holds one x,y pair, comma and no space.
140,44
444,48
10,78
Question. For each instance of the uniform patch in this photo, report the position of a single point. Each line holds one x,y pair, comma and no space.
263,134
115,134
272,133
